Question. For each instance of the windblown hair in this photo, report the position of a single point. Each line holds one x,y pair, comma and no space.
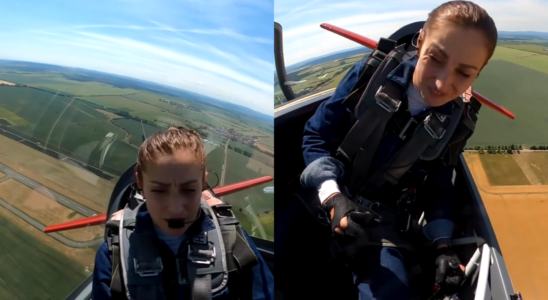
468,15
166,143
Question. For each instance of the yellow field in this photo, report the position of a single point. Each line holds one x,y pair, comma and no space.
45,210
6,82
518,215
77,184
109,114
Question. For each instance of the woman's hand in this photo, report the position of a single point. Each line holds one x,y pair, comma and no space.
211,201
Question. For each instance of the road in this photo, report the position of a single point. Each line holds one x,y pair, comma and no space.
77,207
223,173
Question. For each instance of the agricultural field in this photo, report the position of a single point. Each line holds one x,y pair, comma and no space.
518,83
264,158
54,126
239,168
516,213
319,77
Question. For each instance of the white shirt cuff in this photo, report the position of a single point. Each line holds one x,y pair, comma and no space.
328,188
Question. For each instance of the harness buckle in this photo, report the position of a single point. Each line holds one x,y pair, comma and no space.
201,256
435,128
148,268
223,211
369,205
387,103
406,206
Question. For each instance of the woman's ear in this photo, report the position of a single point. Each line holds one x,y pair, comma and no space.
138,180
420,41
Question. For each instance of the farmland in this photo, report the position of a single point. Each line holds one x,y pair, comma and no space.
319,77
262,205
66,135
517,213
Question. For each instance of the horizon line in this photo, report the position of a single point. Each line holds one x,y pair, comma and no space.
138,79
357,47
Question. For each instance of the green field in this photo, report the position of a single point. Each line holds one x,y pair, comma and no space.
135,130
264,158
503,170
519,84
32,271
240,168
318,77
62,113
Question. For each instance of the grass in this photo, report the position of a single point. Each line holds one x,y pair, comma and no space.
502,169
30,270
266,159
135,129
538,162
50,111
260,202
521,90
315,79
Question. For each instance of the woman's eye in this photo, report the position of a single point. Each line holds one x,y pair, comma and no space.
433,58
464,74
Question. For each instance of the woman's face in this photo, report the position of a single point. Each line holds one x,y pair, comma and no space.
172,187
450,59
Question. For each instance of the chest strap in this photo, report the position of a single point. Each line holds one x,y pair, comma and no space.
374,110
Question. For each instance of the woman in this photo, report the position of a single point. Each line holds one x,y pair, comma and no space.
456,42
171,175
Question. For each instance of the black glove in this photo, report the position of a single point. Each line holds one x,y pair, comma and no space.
448,274
355,234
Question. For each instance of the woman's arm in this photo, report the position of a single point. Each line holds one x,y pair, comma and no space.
102,274
325,130
323,134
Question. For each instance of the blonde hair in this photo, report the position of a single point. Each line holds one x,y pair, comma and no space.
468,15
167,142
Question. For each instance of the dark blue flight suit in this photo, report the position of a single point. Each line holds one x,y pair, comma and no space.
324,133
262,280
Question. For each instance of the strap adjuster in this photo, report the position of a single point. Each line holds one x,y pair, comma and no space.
201,256
148,268
434,130
387,103
223,211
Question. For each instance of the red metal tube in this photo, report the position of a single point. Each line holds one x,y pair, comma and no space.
102,219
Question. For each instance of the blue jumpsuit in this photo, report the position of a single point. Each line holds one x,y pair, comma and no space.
324,133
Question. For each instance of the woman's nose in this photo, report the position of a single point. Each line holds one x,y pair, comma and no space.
443,80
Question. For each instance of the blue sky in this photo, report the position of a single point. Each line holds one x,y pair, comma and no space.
303,37
221,48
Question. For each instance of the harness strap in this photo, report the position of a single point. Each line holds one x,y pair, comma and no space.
463,132
239,255
377,106
113,242
362,163
201,283
428,134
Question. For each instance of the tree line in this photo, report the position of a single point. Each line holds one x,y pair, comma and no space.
239,151
499,149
